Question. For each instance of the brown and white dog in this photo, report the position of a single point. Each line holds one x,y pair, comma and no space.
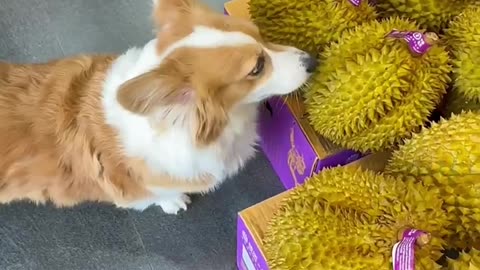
146,127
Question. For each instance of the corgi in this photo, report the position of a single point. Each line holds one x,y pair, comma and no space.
147,127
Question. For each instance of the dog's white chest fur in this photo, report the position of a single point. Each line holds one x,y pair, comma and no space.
172,150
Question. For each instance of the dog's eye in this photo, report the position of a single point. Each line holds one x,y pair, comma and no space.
258,67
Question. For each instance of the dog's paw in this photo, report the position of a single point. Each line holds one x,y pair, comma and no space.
171,205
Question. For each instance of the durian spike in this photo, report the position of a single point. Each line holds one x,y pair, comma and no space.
308,24
346,219
462,36
433,15
456,102
378,90
445,157
466,261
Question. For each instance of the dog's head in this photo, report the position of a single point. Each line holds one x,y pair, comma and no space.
210,63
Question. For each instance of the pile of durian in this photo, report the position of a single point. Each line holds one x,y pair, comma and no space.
351,218
372,90
397,76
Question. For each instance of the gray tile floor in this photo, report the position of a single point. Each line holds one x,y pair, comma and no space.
99,236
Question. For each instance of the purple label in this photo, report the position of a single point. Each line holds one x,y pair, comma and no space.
403,252
416,40
355,2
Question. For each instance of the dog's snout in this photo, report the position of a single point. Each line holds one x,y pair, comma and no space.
310,63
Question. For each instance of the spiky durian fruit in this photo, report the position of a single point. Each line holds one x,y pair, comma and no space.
466,261
463,37
456,103
307,24
433,15
308,236
446,156
350,219
370,91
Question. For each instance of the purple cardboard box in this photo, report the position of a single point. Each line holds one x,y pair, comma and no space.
249,256
289,149
251,225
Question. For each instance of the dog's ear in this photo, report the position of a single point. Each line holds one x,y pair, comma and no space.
144,93
166,12
211,120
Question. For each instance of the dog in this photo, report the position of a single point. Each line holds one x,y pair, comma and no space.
146,127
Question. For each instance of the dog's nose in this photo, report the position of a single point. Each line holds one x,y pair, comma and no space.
310,63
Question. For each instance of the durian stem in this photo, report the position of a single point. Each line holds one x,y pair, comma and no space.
431,38
421,241
424,239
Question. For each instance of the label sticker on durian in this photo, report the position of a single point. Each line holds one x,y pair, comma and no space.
403,252
416,40
355,2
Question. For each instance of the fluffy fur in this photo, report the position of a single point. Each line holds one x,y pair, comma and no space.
173,117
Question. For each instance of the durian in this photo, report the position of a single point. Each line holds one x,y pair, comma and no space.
463,38
307,24
446,156
370,91
346,218
433,15
456,103
466,261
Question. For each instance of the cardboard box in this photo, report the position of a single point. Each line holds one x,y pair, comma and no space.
237,8
294,149
252,222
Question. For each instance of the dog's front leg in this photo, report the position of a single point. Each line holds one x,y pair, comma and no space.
170,193
171,201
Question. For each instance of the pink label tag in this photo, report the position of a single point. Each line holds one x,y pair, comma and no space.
416,40
355,2
403,252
